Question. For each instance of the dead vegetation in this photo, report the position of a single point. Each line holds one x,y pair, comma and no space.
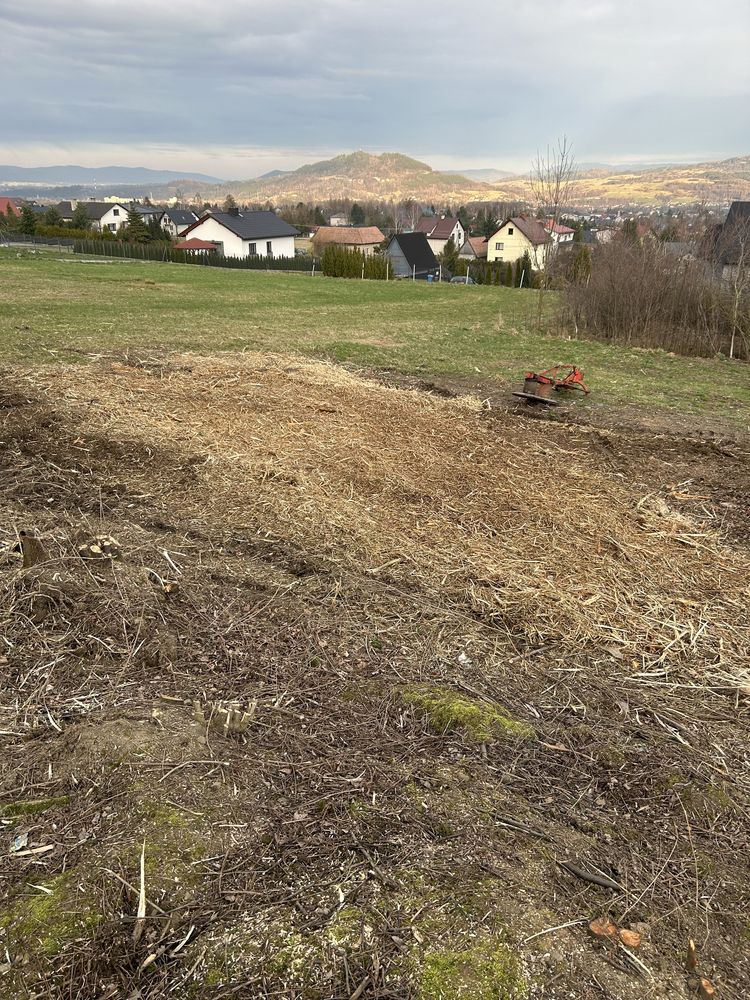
324,689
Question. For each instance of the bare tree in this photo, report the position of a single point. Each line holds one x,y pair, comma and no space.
553,177
732,263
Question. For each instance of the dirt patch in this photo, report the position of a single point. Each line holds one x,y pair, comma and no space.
468,646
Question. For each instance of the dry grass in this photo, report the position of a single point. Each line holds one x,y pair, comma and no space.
423,495
317,549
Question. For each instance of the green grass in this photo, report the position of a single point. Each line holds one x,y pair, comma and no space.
58,308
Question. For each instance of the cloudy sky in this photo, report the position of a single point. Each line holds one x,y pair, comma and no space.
237,87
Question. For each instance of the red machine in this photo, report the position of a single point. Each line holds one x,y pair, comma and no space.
539,387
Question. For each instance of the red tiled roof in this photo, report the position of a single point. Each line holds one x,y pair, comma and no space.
436,228
357,236
195,244
534,231
478,244
557,227
5,203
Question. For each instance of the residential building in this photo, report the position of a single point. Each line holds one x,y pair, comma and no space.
177,220
517,236
245,234
102,215
732,246
367,239
148,212
475,248
411,256
559,232
196,246
439,229
339,220
9,207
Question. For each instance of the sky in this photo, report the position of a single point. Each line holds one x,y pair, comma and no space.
234,88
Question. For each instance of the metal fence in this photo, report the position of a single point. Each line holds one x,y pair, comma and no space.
165,252
27,239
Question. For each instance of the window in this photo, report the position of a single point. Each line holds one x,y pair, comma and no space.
252,250
269,249
112,227
115,211
499,246
510,230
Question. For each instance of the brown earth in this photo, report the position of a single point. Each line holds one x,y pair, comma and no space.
471,644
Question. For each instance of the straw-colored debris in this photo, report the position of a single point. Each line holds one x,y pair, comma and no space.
311,687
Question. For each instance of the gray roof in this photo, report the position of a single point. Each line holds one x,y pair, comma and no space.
181,216
252,225
148,211
94,209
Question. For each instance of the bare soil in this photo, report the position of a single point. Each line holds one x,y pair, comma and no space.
472,646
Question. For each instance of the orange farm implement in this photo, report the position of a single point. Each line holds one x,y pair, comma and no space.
540,387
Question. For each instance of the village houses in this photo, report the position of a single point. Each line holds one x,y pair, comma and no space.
245,234
439,229
517,236
367,239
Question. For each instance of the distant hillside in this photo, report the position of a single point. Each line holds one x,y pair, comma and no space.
392,176
97,175
486,174
361,176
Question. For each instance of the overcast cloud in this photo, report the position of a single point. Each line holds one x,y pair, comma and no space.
235,87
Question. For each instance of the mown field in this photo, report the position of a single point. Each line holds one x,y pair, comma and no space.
66,308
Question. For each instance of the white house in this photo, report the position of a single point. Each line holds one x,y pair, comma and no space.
559,232
102,215
339,220
245,234
439,229
517,236
176,220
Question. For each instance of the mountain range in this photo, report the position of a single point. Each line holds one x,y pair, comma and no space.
361,176
71,174
364,176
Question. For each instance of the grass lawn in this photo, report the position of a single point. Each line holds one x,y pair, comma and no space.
55,307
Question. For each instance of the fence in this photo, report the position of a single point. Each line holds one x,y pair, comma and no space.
165,252
49,241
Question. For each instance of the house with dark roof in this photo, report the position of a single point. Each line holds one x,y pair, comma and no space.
103,215
367,239
176,220
148,212
731,250
245,234
517,236
439,229
411,256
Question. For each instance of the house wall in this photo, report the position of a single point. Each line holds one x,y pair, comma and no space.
401,268
116,216
459,238
368,249
514,245
234,246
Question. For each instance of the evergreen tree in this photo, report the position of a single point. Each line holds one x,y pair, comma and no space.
357,215
449,257
524,271
582,264
52,217
155,230
509,274
80,218
320,219
136,230
229,204
28,220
